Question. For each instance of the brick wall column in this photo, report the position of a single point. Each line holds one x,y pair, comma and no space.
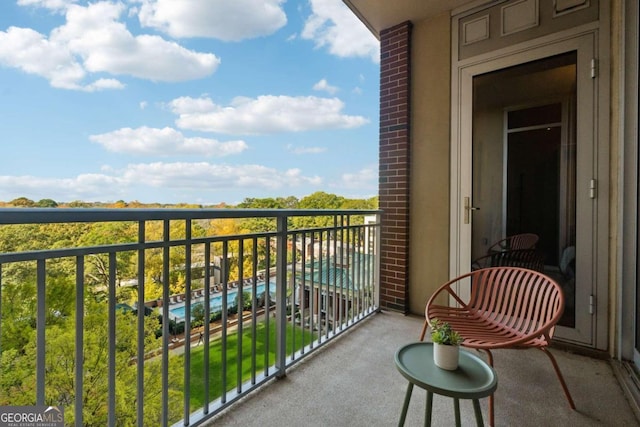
393,191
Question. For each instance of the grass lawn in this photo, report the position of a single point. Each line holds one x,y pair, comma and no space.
302,338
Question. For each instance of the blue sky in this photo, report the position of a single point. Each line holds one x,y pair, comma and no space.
194,101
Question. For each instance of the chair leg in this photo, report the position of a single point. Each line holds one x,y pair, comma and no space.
424,330
560,377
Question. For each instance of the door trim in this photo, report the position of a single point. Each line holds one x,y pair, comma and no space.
461,115
630,232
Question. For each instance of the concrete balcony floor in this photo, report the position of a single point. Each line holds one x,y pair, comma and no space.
354,382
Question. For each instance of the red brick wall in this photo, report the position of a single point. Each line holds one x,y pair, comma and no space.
395,80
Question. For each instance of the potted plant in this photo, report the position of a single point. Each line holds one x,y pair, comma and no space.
446,345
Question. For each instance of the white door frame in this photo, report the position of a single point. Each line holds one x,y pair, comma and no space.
627,294
461,132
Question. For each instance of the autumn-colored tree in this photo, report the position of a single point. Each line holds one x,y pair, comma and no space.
230,227
23,202
154,258
79,204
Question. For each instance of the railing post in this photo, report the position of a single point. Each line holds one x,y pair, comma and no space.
166,252
376,251
141,332
79,365
112,348
281,296
40,332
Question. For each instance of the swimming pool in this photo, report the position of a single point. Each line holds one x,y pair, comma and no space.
215,301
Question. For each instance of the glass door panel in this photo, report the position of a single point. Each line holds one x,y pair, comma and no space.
524,165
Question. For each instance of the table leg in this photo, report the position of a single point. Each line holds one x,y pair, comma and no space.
427,410
456,410
407,398
476,409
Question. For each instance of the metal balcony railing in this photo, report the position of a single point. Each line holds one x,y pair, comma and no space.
168,316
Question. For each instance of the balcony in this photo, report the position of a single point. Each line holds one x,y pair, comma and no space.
167,317
82,328
354,382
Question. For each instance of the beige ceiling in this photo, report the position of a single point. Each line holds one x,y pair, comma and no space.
380,14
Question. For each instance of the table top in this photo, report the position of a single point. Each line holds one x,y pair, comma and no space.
473,379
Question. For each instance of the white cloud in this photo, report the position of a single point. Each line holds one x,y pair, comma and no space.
164,142
93,40
364,179
33,53
221,19
263,115
105,45
102,84
113,184
88,187
143,105
306,150
325,86
215,177
47,4
334,26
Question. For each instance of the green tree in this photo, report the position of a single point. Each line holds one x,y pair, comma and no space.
46,203
258,225
269,203
318,200
17,383
321,200
197,313
246,302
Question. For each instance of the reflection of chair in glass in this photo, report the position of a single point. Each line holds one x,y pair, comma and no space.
524,258
568,262
567,281
517,241
508,307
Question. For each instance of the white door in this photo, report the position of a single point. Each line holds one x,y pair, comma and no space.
524,160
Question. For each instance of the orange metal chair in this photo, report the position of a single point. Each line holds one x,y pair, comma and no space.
508,307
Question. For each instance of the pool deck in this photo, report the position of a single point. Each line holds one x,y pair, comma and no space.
178,301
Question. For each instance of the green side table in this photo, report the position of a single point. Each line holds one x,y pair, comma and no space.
474,379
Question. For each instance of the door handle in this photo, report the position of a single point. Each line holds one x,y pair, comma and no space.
468,208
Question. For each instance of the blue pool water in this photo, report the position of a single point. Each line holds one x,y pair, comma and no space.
215,301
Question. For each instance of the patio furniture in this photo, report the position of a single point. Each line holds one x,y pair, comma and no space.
516,241
474,379
524,258
508,307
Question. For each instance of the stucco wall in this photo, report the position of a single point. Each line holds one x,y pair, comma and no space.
430,153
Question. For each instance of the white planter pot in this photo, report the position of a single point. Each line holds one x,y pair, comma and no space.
446,356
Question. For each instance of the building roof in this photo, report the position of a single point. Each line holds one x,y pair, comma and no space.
380,14
344,277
